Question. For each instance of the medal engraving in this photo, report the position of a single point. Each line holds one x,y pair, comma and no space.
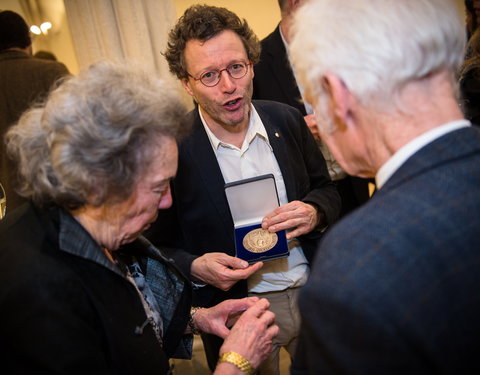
259,240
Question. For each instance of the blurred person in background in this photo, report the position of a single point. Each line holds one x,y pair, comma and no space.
23,80
45,55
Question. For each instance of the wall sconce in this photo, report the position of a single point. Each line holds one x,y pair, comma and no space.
43,29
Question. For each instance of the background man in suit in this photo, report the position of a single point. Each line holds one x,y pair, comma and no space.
23,79
212,52
275,80
394,288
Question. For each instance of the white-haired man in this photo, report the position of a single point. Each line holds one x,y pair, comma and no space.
394,287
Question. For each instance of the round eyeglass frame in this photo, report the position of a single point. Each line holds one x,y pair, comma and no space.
219,71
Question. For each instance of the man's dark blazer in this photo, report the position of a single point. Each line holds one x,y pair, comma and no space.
395,286
200,221
274,80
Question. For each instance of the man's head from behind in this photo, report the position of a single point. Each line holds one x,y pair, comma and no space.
366,64
375,47
14,32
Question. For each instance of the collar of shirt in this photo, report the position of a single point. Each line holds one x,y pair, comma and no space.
283,37
255,127
74,239
406,151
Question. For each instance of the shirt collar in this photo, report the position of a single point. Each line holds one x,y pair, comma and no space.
282,36
255,127
74,239
406,151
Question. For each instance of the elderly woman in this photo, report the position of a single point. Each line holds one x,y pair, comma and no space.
95,161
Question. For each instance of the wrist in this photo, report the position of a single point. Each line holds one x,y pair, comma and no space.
191,322
320,217
237,360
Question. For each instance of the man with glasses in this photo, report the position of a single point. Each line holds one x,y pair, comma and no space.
212,52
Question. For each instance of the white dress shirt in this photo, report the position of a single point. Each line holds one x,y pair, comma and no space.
400,157
256,158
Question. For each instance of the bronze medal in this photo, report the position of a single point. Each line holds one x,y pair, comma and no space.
259,240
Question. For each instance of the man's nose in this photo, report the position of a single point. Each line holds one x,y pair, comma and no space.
226,81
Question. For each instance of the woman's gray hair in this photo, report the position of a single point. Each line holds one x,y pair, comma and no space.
94,136
376,46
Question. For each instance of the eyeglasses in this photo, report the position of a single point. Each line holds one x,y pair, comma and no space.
211,78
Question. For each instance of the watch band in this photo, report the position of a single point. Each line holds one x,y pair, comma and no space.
237,360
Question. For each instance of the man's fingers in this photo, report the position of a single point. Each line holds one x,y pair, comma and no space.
233,262
223,332
240,274
268,317
298,216
259,308
229,277
241,304
272,331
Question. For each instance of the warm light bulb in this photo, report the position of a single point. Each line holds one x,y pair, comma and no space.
35,30
45,27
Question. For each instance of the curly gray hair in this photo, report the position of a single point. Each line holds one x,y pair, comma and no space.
93,138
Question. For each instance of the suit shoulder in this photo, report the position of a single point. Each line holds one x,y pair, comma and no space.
192,127
271,47
48,66
268,40
271,106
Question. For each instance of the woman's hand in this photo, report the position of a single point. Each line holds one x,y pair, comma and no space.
251,336
217,320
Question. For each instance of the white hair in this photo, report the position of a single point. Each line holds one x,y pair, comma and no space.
375,46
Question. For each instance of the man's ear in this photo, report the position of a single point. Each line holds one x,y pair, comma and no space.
339,98
186,86
293,4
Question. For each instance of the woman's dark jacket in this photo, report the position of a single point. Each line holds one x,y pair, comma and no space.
62,313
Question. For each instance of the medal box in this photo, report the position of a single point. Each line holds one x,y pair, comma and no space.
250,200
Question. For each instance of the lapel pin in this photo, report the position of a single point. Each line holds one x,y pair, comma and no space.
277,135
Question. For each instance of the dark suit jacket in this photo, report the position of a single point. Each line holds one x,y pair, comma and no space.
200,220
65,314
23,80
274,80
395,286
